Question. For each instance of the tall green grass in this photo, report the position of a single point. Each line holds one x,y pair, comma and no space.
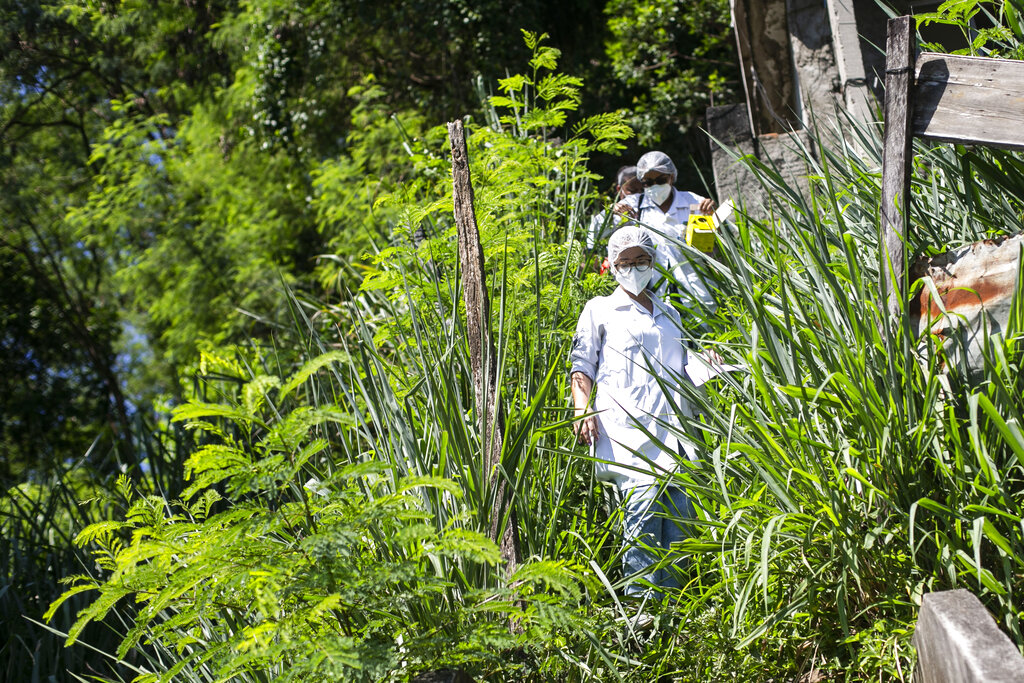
336,516
39,520
854,466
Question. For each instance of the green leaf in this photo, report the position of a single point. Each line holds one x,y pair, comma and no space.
310,368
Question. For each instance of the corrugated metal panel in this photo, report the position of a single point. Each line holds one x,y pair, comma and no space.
975,287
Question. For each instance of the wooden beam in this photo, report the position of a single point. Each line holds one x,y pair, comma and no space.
896,160
762,39
483,360
970,100
738,9
957,641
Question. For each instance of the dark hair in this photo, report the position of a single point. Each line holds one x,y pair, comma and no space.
624,175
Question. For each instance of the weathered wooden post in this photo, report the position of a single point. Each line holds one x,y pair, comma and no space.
481,348
963,100
896,156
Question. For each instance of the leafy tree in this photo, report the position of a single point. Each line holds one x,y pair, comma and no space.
211,152
988,29
62,67
671,60
169,169
57,391
59,318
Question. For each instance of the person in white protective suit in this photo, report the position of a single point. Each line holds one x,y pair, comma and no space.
606,222
628,361
666,211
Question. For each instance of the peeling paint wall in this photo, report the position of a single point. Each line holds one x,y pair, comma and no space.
795,73
762,42
814,64
728,124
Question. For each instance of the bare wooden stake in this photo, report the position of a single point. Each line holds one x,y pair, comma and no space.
896,158
481,349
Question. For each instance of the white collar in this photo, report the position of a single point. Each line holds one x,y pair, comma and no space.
620,299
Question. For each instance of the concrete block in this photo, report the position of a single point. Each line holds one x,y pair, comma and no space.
730,124
957,641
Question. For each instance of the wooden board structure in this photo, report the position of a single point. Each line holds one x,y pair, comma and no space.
960,100
946,98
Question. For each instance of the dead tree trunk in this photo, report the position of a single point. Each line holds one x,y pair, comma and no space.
481,351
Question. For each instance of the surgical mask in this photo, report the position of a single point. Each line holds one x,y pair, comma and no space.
632,280
658,193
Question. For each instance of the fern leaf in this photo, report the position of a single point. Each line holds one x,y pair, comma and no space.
98,530
192,411
311,367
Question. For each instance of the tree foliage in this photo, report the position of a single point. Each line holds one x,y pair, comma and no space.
670,61
257,573
194,158
174,169
171,172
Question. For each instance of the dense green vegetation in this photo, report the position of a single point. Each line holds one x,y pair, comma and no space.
240,419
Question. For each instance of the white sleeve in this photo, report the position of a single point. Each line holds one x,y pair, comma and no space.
596,223
586,344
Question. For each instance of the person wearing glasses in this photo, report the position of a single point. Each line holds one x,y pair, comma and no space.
605,222
626,354
666,210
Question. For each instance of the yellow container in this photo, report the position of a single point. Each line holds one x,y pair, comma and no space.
700,232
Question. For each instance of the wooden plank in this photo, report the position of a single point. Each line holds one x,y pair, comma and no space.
957,641
972,100
763,43
738,9
471,256
483,360
896,158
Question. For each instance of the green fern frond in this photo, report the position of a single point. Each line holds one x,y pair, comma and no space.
309,369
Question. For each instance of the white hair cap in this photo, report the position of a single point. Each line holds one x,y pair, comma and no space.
654,161
630,236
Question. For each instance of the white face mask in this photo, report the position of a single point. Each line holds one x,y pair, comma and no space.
633,281
658,193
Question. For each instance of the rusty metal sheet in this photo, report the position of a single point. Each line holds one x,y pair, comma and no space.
975,286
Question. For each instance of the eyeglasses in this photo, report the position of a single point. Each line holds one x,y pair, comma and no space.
639,266
660,180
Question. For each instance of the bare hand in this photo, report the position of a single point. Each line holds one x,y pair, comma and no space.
711,357
624,209
586,429
706,206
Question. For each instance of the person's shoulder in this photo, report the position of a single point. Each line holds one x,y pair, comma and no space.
594,314
600,301
594,304
600,306
684,198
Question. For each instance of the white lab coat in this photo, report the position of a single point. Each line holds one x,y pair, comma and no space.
623,348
